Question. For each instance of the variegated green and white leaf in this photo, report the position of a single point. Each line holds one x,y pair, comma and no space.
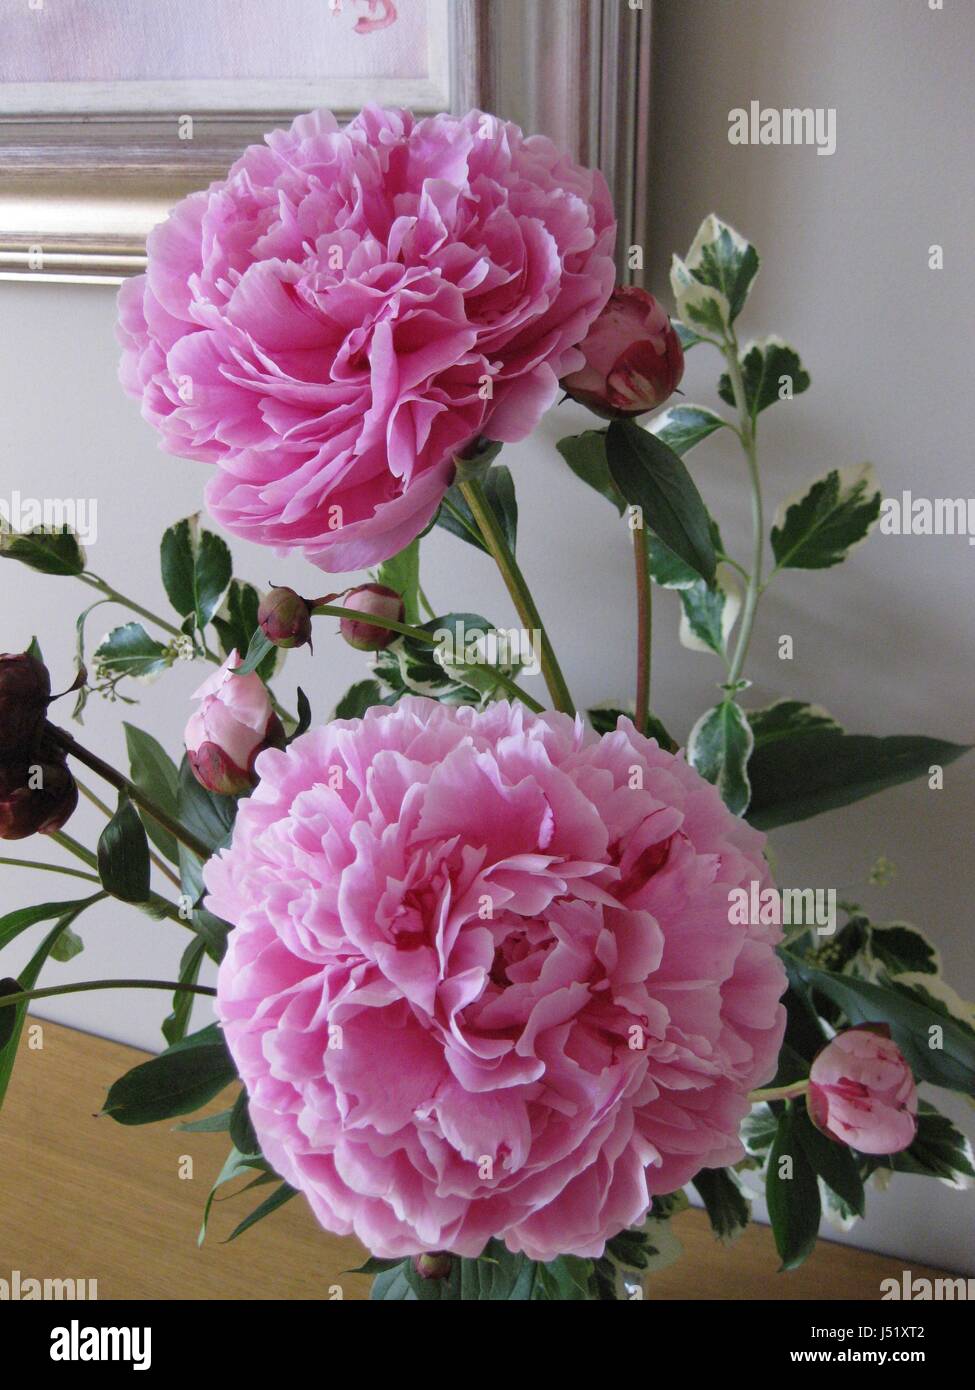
785,719
719,746
709,614
724,262
683,426
939,996
940,1150
130,651
701,306
771,371
758,1130
898,949
819,527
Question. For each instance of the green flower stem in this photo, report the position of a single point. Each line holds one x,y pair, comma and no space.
791,1092
417,634
86,986
134,793
51,868
75,847
103,587
644,640
496,542
746,432
107,811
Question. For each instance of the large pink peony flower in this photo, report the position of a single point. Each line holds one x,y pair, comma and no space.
333,322
483,982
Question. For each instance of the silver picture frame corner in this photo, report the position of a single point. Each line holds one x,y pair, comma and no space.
80,190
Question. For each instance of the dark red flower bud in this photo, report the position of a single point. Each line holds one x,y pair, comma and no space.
381,603
25,692
434,1265
36,798
285,618
634,359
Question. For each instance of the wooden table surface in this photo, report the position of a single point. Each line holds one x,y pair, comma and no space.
84,1197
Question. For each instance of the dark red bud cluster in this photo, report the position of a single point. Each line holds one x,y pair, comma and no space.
37,790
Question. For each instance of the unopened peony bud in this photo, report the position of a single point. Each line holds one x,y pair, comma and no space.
25,692
634,359
285,618
436,1265
862,1093
381,603
36,798
234,723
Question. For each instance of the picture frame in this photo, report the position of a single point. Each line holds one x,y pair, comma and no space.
85,173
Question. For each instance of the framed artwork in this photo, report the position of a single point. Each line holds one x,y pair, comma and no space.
112,110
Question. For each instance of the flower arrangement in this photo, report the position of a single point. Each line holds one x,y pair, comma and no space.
497,982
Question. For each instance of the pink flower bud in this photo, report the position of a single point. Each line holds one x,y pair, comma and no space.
36,798
234,723
381,603
285,618
634,359
862,1093
25,692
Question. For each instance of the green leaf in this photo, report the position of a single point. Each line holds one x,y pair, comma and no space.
236,625
567,1279
719,747
13,923
408,665
176,1023
123,855
724,1201
793,778
49,552
68,945
154,772
758,1130
391,1285
177,1082
910,1015
14,1025
210,1124
456,516
130,651
688,338
651,476
357,699
604,718
900,948
794,1205
257,654
304,716
709,613
940,1150
586,456
235,1165
196,570
242,1134
818,529
278,1197
771,371
402,574
786,719
208,816
683,426
712,284
833,1162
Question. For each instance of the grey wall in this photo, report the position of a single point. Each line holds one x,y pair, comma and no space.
884,642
